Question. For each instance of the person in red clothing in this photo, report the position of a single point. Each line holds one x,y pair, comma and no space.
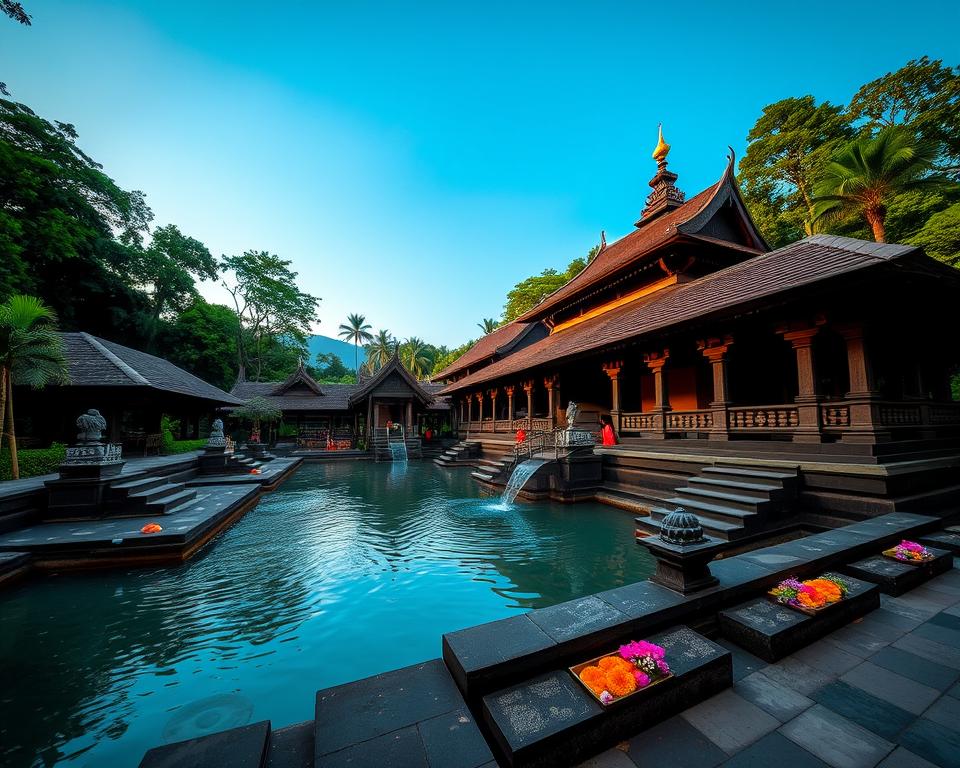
521,436
607,435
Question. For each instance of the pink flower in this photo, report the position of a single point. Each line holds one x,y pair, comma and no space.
642,679
663,667
911,546
606,697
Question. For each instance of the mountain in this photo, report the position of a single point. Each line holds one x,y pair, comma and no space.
325,345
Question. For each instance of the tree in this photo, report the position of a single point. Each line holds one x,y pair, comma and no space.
203,341
168,268
270,309
415,356
380,350
488,325
788,146
526,294
445,360
867,173
257,410
31,354
331,370
356,330
923,96
940,236
15,11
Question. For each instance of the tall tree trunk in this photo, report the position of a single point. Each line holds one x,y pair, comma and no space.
11,432
356,360
875,218
3,403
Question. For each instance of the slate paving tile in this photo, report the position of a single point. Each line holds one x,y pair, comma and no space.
933,742
772,697
243,747
946,620
904,758
944,586
836,740
911,609
928,595
946,712
453,740
774,749
855,641
889,618
916,668
953,611
955,691
827,658
864,709
797,676
939,634
675,743
891,687
612,758
744,662
575,618
398,749
930,650
730,721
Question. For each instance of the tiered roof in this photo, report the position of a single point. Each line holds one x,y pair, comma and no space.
496,343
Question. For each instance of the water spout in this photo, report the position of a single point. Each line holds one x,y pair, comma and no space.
521,473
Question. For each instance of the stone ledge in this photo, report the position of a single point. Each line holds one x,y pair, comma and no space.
551,720
243,747
771,631
895,578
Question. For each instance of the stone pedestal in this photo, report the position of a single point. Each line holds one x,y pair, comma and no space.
86,473
684,568
255,449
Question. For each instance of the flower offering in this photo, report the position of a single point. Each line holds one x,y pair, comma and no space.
909,552
637,665
810,595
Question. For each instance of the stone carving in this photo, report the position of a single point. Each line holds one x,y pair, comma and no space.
217,439
91,425
572,410
681,527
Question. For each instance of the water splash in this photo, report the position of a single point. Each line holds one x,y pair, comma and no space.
521,473
398,451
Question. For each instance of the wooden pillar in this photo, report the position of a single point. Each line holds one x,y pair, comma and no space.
493,405
528,388
409,427
612,369
715,350
509,390
863,414
550,382
808,405
480,407
656,362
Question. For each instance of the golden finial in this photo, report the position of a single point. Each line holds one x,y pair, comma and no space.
662,150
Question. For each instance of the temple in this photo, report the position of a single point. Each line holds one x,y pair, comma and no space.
705,347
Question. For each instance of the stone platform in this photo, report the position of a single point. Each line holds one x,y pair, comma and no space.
271,474
118,541
895,578
771,631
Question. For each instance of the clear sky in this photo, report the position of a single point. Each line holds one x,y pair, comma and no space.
415,160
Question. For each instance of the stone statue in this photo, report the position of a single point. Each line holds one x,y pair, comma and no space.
572,410
216,434
91,425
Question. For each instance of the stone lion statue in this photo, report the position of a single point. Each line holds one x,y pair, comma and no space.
91,425
216,434
572,410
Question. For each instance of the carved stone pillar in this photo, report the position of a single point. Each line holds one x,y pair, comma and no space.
807,400
550,382
612,369
715,350
509,390
528,388
656,362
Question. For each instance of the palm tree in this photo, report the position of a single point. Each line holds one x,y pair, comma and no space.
356,330
869,172
413,354
31,353
487,325
380,350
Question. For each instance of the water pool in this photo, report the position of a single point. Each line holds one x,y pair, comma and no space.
349,569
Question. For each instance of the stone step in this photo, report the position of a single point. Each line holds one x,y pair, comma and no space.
482,476
492,463
552,720
720,528
772,631
131,487
292,747
244,747
740,473
758,489
895,578
157,492
167,504
714,510
727,498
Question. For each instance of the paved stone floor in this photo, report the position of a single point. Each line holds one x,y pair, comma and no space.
882,691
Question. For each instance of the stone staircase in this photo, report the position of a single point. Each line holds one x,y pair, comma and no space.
492,470
731,502
154,495
462,454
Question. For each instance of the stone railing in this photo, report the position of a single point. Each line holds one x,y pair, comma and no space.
502,425
486,426
898,415
834,416
640,422
767,418
689,420
541,425
943,413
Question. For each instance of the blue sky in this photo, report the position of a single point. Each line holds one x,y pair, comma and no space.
417,160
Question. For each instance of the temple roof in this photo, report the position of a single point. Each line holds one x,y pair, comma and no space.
497,342
392,367
301,377
685,220
96,362
811,260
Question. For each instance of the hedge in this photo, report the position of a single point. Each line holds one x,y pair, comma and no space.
183,446
33,461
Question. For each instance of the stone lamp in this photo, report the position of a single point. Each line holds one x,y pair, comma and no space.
683,553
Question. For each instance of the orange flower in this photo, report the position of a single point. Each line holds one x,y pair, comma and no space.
608,663
594,679
151,528
830,591
620,682
811,598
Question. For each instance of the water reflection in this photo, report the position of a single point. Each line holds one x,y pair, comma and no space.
346,571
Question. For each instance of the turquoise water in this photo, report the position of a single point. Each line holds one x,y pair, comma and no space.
347,570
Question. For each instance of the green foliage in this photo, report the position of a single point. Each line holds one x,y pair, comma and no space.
381,348
788,147
168,268
940,236
331,370
357,331
865,175
488,325
33,461
257,410
15,11
526,294
417,356
203,340
446,360
272,313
